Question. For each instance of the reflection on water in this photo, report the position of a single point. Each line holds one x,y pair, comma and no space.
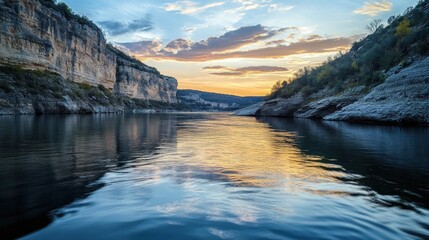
390,160
187,176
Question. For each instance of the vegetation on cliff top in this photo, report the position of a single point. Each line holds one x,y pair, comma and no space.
404,39
68,13
134,62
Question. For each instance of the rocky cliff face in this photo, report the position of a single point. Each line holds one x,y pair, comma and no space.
281,107
194,100
402,98
143,82
35,36
197,99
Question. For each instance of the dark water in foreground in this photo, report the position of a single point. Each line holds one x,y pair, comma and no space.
210,176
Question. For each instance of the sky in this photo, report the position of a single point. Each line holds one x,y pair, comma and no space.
239,47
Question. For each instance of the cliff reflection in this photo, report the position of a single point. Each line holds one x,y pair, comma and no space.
48,162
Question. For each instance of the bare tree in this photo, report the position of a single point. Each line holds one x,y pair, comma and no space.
374,25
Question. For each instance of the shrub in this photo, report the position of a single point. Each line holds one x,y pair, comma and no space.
355,66
403,28
49,3
101,87
84,20
95,92
65,10
85,86
325,73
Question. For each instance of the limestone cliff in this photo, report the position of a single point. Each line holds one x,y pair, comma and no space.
137,80
35,36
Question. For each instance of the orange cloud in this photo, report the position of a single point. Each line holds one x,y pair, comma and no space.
215,67
244,70
276,42
301,47
186,50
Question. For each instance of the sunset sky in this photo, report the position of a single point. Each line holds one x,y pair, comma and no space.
239,47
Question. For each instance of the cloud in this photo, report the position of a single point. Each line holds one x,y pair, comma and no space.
189,29
251,4
215,67
228,46
115,28
143,47
276,7
189,7
301,47
256,4
275,42
246,5
262,69
373,8
228,73
290,37
231,40
244,70
314,37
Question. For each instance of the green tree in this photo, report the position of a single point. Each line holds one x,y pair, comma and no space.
65,10
403,28
277,86
325,73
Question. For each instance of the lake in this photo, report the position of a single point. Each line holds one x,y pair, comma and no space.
210,176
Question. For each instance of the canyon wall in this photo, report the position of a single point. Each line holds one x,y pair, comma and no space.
140,81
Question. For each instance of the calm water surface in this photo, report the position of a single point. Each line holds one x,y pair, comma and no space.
210,176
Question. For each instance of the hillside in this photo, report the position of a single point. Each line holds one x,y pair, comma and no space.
208,101
383,78
45,44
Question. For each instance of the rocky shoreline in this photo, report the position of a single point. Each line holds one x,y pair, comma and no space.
403,98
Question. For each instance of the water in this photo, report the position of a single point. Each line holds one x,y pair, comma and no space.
210,176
